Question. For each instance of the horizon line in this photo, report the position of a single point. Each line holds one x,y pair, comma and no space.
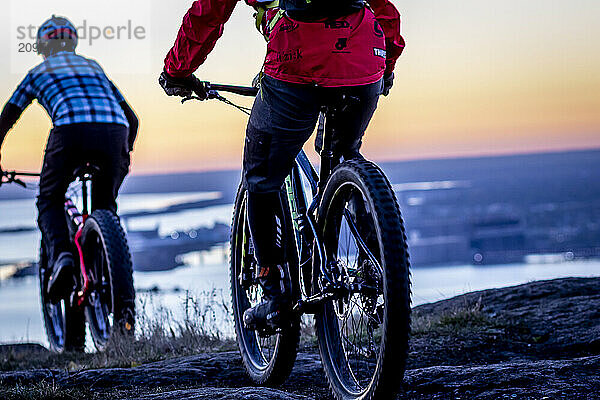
400,160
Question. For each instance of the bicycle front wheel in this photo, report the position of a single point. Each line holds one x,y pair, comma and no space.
111,301
64,323
363,334
268,360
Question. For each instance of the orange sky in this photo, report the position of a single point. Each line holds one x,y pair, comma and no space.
476,78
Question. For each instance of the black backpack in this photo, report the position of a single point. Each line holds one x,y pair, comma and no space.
310,10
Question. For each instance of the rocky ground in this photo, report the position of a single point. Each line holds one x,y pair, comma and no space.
535,341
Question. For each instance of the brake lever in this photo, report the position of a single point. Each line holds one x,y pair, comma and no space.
211,94
20,183
186,99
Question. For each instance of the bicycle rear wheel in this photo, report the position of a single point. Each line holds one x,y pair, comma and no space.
363,335
268,360
64,324
111,301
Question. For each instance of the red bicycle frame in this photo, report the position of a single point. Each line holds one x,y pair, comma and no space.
78,219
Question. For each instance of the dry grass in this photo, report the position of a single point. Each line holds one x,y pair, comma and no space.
159,335
465,318
50,391
162,335
43,391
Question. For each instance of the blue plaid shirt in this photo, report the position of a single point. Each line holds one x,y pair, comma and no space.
73,90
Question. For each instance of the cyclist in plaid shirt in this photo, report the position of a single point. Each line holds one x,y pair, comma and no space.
92,122
73,90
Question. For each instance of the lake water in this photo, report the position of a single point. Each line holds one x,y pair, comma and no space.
16,247
206,274
20,314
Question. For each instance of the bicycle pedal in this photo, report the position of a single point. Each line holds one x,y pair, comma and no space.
74,299
268,332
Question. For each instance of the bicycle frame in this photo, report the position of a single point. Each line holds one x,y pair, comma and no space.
303,217
78,220
305,223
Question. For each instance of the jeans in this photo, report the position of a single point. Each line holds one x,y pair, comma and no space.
69,147
283,117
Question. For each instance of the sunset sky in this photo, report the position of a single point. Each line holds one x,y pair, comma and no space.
477,78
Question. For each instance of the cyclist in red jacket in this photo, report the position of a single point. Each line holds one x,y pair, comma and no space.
316,50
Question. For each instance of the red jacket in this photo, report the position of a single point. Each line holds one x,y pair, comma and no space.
353,50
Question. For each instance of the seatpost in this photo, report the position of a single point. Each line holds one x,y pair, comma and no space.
327,150
84,191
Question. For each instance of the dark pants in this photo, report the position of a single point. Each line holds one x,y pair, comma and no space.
283,117
69,147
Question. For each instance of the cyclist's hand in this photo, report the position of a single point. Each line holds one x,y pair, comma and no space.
183,87
388,82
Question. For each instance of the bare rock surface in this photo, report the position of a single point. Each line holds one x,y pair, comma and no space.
9,378
549,379
541,320
218,369
247,393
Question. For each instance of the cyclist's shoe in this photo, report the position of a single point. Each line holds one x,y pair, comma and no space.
273,312
62,277
269,316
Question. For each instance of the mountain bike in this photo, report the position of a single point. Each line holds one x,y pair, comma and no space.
349,264
103,292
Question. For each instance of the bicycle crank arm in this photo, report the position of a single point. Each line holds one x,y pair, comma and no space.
78,299
313,304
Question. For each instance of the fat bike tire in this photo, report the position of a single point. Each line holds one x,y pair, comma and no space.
64,324
361,185
111,304
268,361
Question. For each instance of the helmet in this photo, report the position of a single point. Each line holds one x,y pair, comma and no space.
56,34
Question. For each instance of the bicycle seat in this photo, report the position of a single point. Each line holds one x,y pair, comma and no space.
87,169
340,103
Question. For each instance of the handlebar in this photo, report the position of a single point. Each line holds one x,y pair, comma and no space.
211,91
11,177
241,90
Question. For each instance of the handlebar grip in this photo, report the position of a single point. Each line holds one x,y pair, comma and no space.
8,177
241,90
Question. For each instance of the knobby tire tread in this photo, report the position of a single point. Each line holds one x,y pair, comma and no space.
75,318
287,348
388,381
121,267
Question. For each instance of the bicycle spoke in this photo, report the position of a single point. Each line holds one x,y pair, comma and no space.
357,313
261,348
362,245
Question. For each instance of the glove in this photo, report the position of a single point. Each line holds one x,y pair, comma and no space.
183,87
388,82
